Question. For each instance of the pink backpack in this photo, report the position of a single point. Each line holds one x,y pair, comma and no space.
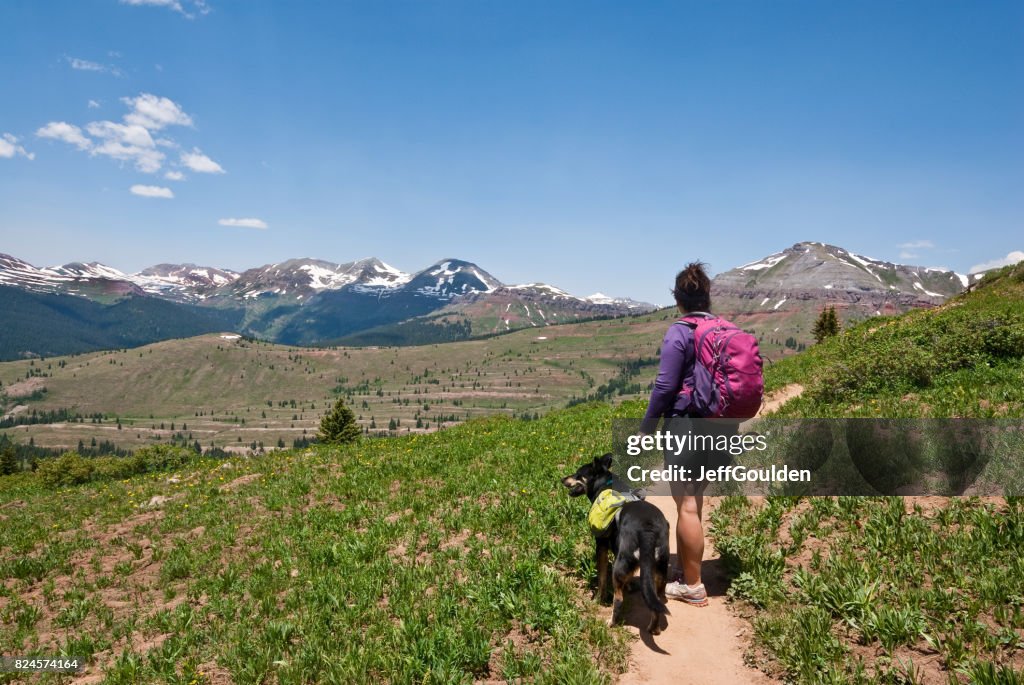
728,380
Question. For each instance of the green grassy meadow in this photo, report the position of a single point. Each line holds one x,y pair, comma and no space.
454,556
441,558
892,590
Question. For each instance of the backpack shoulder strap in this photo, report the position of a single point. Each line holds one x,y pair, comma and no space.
692,319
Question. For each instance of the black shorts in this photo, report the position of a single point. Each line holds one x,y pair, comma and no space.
698,455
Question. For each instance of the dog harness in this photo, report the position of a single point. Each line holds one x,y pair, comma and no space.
606,509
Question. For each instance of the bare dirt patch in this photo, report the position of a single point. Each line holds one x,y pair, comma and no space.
18,409
240,481
778,398
26,387
517,641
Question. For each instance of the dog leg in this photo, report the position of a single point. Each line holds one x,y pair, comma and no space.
654,626
603,570
617,602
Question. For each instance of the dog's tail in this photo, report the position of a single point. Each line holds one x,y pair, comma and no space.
648,545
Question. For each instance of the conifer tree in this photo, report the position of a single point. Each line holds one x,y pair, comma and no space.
826,325
339,425
820,325
833,321
8,461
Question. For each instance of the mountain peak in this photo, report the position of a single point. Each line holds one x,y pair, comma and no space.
451,277
371,272
818,272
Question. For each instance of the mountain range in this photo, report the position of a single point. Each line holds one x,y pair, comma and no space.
83,306
78,307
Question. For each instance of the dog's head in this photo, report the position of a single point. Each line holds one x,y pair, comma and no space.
590,478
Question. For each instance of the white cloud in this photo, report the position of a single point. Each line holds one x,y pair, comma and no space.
172,4
154,113
85,65
133,135
152,191
129,143
917,245
88,65
9,148
199,6
1013,258
93,104
244,223
69,133
132,139
906,254
200,163
174,176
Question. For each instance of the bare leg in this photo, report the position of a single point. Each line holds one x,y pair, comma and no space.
690,535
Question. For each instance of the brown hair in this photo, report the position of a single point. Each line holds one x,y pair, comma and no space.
693,288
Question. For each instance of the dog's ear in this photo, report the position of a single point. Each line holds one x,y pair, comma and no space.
604,462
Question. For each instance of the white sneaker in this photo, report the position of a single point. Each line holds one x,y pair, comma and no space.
691,594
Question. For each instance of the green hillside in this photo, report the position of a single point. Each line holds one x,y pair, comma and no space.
898,589
43,324
235,393
231,392
458,557
440,558
965,358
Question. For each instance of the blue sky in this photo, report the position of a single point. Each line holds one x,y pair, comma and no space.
592,145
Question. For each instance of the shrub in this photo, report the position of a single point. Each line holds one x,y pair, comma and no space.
161,458
70,468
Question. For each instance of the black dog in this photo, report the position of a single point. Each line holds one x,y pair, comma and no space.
637,536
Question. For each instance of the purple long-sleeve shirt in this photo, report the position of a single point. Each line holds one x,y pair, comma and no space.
676,368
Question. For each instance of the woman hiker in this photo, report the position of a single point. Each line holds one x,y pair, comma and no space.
692,294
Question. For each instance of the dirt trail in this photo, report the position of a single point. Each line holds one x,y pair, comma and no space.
702,645
780,397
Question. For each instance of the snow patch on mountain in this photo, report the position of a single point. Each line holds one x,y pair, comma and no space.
766,263
920,287
321,278
546,289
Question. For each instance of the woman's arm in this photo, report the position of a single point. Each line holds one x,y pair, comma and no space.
675,355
